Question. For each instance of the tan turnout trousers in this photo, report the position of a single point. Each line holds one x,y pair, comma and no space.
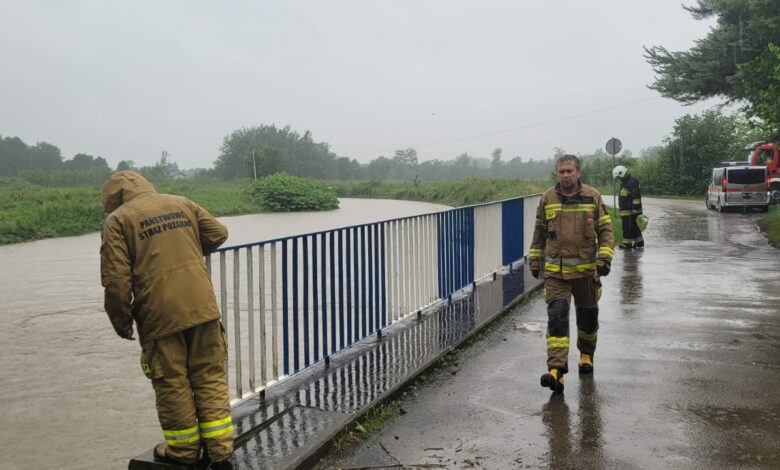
558,293
186,369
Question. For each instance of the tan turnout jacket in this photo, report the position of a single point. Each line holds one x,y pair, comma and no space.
151,258
573,234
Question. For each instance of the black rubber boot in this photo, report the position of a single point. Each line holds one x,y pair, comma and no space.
553,380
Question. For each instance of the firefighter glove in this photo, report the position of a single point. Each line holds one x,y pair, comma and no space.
535,273
603,269
126,333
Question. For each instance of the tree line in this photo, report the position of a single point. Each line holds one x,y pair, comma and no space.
266,149
44,164
681,165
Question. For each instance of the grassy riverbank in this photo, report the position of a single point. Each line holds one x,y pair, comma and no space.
453,193
30,212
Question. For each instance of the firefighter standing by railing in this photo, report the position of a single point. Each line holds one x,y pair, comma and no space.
153,272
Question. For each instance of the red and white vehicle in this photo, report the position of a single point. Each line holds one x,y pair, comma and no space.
737,184
766,154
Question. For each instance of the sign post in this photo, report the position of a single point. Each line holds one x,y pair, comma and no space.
614,145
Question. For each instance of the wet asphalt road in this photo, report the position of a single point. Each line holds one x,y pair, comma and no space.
687,370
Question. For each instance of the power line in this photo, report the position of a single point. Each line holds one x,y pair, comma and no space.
536,124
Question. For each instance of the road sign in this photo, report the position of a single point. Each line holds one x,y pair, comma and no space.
613,146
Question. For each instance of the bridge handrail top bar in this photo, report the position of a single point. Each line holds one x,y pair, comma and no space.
347,227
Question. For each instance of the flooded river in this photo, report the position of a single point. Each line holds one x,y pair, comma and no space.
72,393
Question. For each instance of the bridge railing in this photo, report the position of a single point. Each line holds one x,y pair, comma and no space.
291,302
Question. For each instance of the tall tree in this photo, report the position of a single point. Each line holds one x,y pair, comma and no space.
271,149
496,165
697,143
737,60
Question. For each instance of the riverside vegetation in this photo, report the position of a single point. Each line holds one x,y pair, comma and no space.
31,212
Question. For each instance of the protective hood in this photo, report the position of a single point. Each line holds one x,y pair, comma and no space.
121,187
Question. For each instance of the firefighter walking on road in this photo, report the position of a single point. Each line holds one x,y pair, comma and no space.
629,208
152,269
571,249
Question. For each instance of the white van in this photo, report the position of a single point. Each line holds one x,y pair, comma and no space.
738,184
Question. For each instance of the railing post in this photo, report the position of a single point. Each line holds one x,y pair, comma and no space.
237,319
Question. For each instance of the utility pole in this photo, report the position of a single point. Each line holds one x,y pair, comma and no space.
613,147
254,163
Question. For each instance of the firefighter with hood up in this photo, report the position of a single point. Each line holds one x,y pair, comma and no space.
153,272
571,249
629,208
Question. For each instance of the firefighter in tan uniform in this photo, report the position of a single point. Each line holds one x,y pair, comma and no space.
152,269
571,248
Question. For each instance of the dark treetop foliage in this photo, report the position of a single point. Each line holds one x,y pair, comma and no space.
737,60
43,164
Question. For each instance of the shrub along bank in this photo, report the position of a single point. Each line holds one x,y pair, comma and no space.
285,193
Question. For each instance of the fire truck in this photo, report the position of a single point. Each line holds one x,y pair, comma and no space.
766,154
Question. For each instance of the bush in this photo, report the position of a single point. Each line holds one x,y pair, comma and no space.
281,192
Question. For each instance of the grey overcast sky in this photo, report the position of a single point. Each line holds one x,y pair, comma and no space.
127,79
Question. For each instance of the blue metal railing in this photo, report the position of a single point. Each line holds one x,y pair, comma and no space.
340,286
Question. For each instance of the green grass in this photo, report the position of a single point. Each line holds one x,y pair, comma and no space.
453,193
770,224
30,212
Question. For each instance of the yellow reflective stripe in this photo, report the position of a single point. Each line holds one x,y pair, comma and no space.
578,205
579,268
213,434
181,442
606,219
216,428
637,201
587,336
557,342
181,437
535,253
623,213
605,250
213,424
183,432
624,192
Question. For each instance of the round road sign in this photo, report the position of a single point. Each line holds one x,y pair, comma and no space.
613,146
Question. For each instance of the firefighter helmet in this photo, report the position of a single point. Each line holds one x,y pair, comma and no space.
619,172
